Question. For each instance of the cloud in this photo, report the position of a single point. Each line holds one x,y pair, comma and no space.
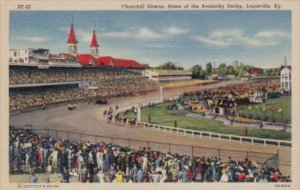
269,34
142,33
145,33
173,30
32,39
225,38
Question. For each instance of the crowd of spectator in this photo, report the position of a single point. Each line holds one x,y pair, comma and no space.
228,98
110,163
30,75
106,88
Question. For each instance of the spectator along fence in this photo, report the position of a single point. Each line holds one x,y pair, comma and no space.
271,159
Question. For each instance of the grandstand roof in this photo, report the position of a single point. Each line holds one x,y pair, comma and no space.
72,37
103,61
83,59
106,61
94,42
126,63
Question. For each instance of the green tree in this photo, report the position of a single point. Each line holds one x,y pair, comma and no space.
208,68
147,66
169,66
222,69
196,71
230,70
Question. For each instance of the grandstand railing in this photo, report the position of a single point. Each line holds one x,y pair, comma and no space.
166,147
211,135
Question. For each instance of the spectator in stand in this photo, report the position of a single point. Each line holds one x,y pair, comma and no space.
20,100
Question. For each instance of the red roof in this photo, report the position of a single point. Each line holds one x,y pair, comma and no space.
126,63
72,38
94,42
83,59
103,61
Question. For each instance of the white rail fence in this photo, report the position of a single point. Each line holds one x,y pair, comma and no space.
210,135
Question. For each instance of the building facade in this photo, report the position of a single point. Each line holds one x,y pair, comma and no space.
286,78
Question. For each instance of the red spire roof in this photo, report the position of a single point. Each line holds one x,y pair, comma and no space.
72,38
94,42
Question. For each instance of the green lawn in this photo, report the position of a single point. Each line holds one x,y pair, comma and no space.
283,102
159,116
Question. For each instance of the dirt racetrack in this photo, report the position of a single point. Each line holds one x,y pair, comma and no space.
88,119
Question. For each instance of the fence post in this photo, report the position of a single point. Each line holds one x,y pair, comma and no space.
210,136
278,155
111,140
219,137
68,136
252,141
278,143
129,143
264,142
193,134
192,150
241,140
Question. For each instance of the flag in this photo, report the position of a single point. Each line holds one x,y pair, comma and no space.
279,110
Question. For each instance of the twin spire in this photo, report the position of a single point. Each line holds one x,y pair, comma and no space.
72,42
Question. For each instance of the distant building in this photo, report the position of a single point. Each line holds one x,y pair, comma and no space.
168,75
236,64
29,56
286,78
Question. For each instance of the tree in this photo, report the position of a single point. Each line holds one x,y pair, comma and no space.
208,68
230,70
147,66
169,66
198,72
196,69
222,69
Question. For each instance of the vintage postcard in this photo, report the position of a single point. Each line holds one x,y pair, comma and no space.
163,94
